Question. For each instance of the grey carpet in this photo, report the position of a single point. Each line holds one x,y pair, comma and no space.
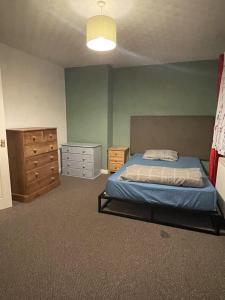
59,247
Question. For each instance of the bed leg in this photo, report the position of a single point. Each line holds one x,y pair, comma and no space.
99,202
216,224
151,214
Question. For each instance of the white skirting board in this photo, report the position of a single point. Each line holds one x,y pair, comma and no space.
220,183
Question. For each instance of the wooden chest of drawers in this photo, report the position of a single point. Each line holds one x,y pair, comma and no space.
117,156
81,160
33,161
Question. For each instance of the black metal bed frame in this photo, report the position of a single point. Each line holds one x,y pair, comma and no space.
216,217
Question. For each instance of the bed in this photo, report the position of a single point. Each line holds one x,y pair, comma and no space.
174,133
176,196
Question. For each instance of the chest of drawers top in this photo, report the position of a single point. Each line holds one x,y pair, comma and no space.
82,145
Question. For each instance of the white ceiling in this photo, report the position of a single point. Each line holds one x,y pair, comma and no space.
149,31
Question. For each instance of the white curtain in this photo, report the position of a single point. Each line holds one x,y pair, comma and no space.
219,129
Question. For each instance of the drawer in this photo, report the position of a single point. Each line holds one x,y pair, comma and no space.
116,159
77,157
50,135
87,173
41,183
41,160
78,164
114,154
42,172
84,173
33,137
71,171
115,166
31,150
78,150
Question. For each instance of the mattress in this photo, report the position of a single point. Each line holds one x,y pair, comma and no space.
203,199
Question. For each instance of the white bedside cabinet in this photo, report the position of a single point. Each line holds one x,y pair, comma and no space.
81,159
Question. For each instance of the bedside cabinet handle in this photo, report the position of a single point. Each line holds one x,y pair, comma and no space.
52,168
36,174
34,138
53,178
68,157
35,151
35,162
51,147
51,157
50,135
83,151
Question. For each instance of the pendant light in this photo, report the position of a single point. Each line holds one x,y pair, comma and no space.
101,32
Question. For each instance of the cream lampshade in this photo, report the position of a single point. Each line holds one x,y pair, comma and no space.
101,33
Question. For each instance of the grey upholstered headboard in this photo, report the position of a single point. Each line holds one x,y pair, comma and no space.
189,135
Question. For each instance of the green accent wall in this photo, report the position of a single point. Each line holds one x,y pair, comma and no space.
100,100
173,89
89,107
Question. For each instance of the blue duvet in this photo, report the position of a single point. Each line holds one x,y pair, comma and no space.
185,197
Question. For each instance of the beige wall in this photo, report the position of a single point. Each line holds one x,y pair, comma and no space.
33,91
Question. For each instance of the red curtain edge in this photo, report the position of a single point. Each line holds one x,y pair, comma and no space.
214,156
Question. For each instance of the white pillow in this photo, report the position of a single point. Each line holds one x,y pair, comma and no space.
169,155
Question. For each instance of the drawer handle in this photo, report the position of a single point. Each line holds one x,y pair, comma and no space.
83,167
83,159
50,135
68,150
36,162
34,138
68,173
35,151
51,147
84,174
68,165
52,178
83,151
51,157
52,168
68,158
36,174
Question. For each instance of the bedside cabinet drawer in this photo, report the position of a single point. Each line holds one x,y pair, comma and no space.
116,154
115,166
116,159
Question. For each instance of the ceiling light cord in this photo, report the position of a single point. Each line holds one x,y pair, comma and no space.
101,4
